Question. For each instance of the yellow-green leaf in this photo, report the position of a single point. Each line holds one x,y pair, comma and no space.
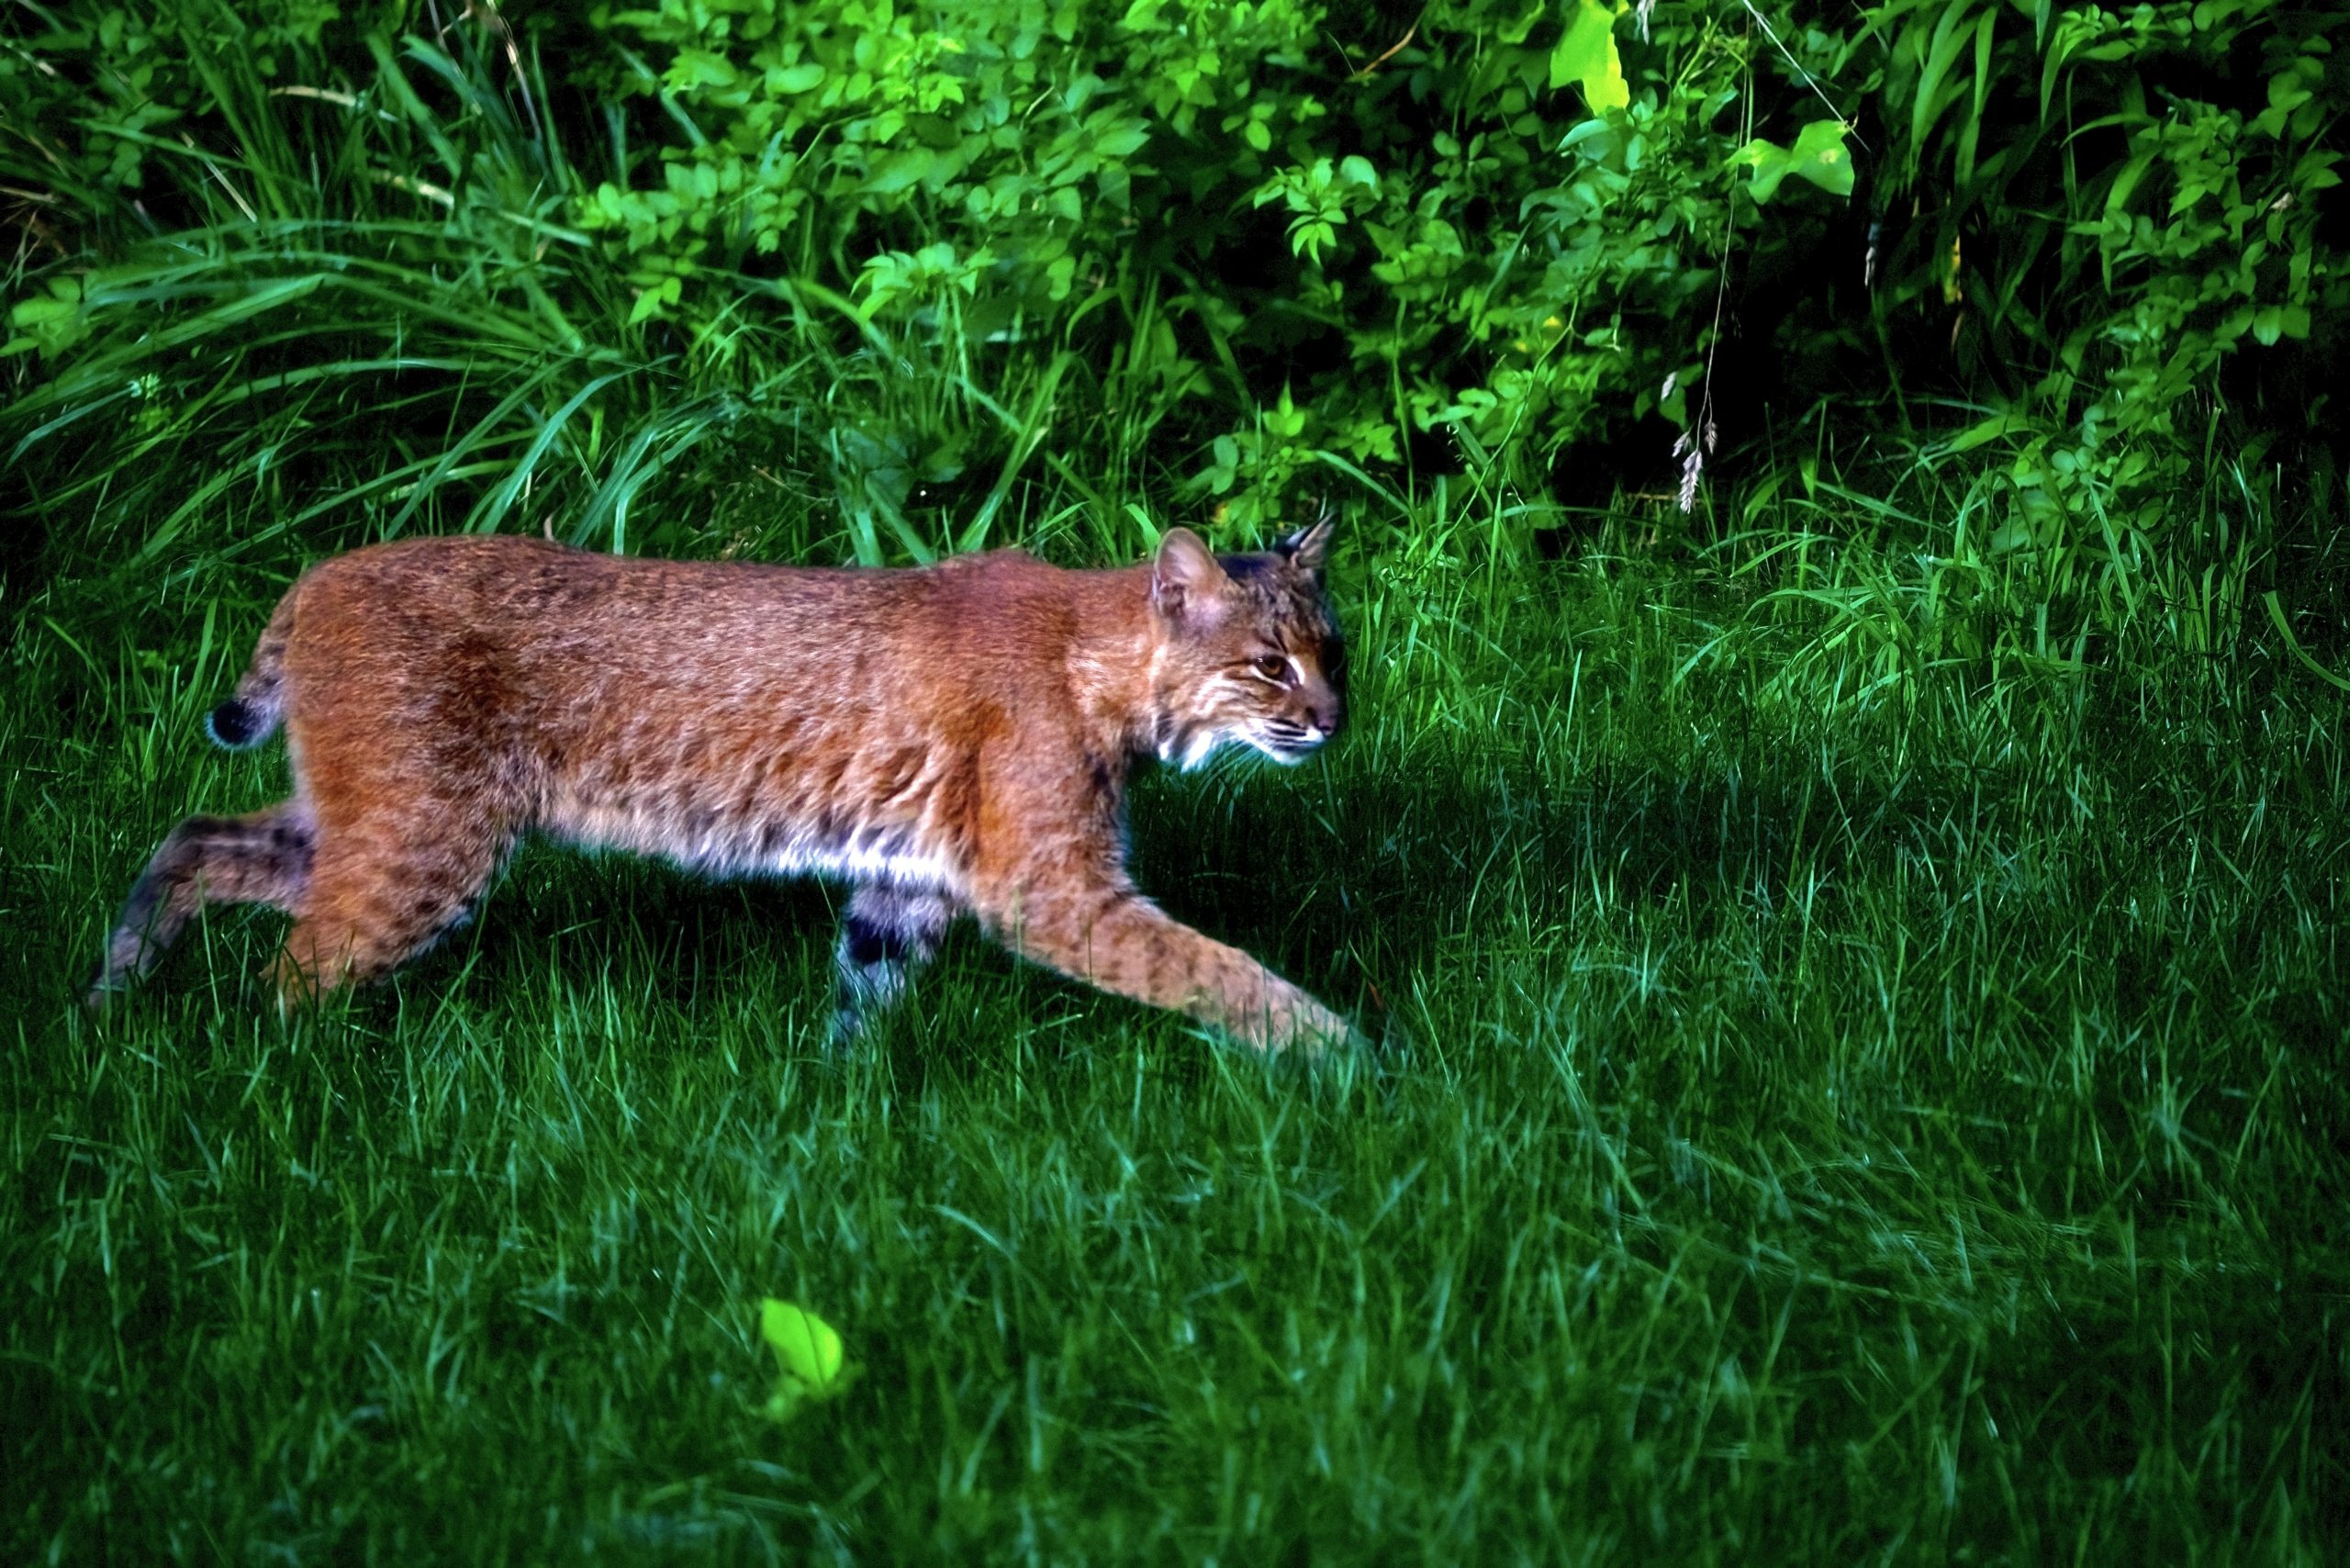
1586,54
807,1348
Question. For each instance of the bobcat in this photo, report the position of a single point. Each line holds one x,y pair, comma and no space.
950,739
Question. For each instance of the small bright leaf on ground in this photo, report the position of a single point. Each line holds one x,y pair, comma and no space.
1586,54
807,1355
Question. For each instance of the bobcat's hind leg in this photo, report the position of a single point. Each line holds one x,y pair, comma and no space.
260,859
889,933
384,888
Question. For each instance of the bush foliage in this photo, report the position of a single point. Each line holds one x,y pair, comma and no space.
911,257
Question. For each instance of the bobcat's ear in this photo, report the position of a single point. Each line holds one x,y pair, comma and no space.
1185,577
1309,548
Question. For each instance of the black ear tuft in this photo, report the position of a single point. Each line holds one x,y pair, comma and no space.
1309,548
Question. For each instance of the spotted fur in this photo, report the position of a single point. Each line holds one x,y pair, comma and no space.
950,740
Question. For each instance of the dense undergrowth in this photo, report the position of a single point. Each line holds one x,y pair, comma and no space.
1857,961
921,268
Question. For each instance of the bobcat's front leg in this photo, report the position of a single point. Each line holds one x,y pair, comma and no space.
1108,935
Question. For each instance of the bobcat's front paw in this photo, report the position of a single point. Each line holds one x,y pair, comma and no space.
1296,1022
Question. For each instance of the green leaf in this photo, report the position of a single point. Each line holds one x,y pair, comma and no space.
810,1367
1818,155
51,323
899,170
38,311
1586,54
807,1348
796,78
2271,322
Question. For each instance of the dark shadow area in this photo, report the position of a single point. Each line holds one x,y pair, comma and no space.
1408,857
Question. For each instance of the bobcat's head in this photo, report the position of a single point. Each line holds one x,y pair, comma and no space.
1249,651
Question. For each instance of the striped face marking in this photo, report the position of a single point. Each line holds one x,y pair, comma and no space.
1268,671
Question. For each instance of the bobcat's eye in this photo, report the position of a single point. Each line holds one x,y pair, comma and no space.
1272,666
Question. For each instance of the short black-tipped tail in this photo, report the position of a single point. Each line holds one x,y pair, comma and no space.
235,725
254,713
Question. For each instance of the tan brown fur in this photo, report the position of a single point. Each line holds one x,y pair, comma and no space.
952,740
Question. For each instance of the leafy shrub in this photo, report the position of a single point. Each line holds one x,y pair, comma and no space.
2109,206
1502,230
92,96
1260,251
940,267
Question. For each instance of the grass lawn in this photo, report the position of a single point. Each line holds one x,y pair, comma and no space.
1818,1121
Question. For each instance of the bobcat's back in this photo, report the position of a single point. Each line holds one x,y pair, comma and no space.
734,717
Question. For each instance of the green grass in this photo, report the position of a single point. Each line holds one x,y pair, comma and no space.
1814,1127
1863,1068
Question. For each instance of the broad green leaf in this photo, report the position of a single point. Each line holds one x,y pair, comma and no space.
807,1348
698,68
1818,155
899,170
2271,322
39,312
1984,431
1586,54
